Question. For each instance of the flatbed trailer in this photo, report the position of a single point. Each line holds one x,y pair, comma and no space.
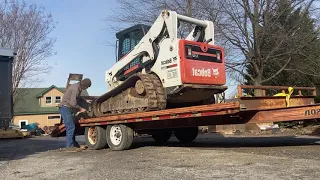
118,131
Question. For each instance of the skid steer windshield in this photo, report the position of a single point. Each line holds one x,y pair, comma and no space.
129,41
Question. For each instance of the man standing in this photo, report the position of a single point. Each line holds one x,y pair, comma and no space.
70,104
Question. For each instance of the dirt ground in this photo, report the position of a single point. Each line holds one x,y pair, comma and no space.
208,157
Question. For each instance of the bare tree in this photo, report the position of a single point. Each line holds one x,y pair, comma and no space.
251,26
145,12
26,29
245,25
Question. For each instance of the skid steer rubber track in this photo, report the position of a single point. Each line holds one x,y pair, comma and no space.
126,98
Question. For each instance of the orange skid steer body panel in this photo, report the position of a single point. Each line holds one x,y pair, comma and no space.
200,64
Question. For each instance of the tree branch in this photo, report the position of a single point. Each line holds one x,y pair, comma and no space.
278,72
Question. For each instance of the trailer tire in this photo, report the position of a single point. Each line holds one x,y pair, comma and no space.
186,135
119,137
95,137
162,137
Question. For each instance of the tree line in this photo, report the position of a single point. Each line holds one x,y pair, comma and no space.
266,42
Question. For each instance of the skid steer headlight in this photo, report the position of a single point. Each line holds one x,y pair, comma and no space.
189,53
218,56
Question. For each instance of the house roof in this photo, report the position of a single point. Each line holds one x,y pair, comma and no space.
48,89
28,103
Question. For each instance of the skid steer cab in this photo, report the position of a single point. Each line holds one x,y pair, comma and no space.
162,66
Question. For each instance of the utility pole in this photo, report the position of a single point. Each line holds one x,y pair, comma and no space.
189,12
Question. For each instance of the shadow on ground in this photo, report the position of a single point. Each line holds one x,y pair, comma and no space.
219,141
316,131
13,149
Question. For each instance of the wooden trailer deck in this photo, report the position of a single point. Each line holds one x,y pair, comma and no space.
243,110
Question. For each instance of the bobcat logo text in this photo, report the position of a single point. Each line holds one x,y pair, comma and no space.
205,72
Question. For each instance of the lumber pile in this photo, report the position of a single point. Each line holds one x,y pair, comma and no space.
13,133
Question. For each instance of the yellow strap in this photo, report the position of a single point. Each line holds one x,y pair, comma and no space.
246,95
290,90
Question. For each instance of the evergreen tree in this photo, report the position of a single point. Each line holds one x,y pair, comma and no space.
296,26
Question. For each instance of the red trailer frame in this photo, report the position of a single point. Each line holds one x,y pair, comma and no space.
185,121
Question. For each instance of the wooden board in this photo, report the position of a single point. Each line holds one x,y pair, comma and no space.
11,133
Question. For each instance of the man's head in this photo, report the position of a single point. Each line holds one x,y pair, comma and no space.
85,83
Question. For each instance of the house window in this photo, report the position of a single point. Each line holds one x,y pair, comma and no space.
48,100
58,99
53,117
22,123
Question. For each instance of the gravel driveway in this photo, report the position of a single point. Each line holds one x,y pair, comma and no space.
209,157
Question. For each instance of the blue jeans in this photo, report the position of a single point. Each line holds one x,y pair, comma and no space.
70,126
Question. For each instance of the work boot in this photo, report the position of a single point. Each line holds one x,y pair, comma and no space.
76,145
83,147
73,149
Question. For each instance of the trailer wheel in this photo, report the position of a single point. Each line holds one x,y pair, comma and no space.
95,137
162,137
186,135
119,137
